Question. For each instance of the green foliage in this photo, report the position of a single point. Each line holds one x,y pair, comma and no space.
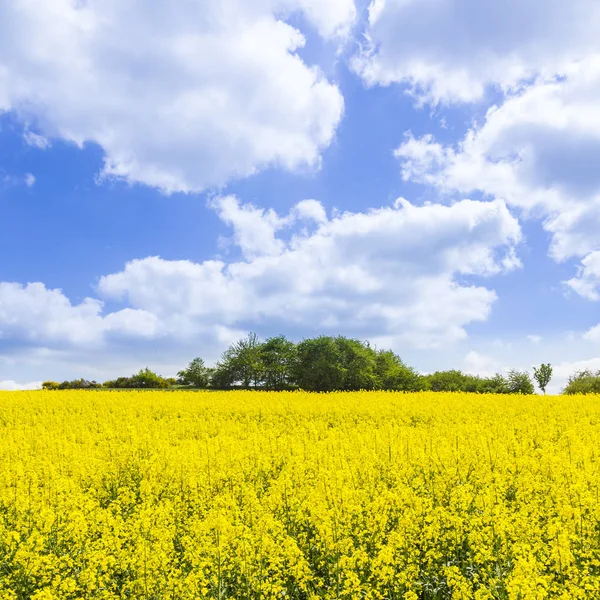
359,364
583,382
543,375
327,363
457,381
278,358
145,378
241,364
50,385
446,381
197,374
393,374
519,382
497,384
76,384
319,366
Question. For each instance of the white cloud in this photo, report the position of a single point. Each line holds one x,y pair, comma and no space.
483,365
13,386
393,271
592,334
29,180
37,316
535,339
587,281
254,228
310,210
34,139
537,152
450,50
181,96
402,273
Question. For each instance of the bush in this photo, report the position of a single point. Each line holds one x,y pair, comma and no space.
76,384
197,374
50,385
145,378
519,382
583,382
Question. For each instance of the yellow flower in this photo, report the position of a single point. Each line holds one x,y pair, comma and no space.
367,495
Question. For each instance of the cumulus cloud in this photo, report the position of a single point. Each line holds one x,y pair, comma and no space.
37,316
142,80
450,50
483,365
410,274
35,139
537,151
592,334
587,281
13,386
395,271
254,229
535,339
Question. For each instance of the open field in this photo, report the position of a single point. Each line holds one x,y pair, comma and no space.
296,495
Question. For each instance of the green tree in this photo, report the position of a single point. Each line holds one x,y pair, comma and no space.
393,374
519,382
358,361
543,375
583,382
446,381
496,384
50,385
319,366
78,384
241,364
278,357
145,378
197,374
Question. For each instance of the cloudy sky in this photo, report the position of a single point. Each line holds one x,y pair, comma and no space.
424,174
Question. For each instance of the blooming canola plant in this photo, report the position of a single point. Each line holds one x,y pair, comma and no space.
242,494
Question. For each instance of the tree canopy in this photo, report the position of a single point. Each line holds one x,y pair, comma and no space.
327,363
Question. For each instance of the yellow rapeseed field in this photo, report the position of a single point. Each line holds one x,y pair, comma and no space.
296,495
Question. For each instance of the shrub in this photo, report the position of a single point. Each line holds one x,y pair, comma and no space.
583,382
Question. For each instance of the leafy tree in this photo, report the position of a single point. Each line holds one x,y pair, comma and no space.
472,383
496,384
77,384
457,381
543,375
446,381
358,361
197,374
319,366
221,377
583,382
392,374
241,364
50,385
278,357
145,378
519,382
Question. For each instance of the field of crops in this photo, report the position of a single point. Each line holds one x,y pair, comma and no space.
296,495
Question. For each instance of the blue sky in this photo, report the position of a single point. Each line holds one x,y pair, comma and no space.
420,174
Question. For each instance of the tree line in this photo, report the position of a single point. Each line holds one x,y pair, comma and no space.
327,363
